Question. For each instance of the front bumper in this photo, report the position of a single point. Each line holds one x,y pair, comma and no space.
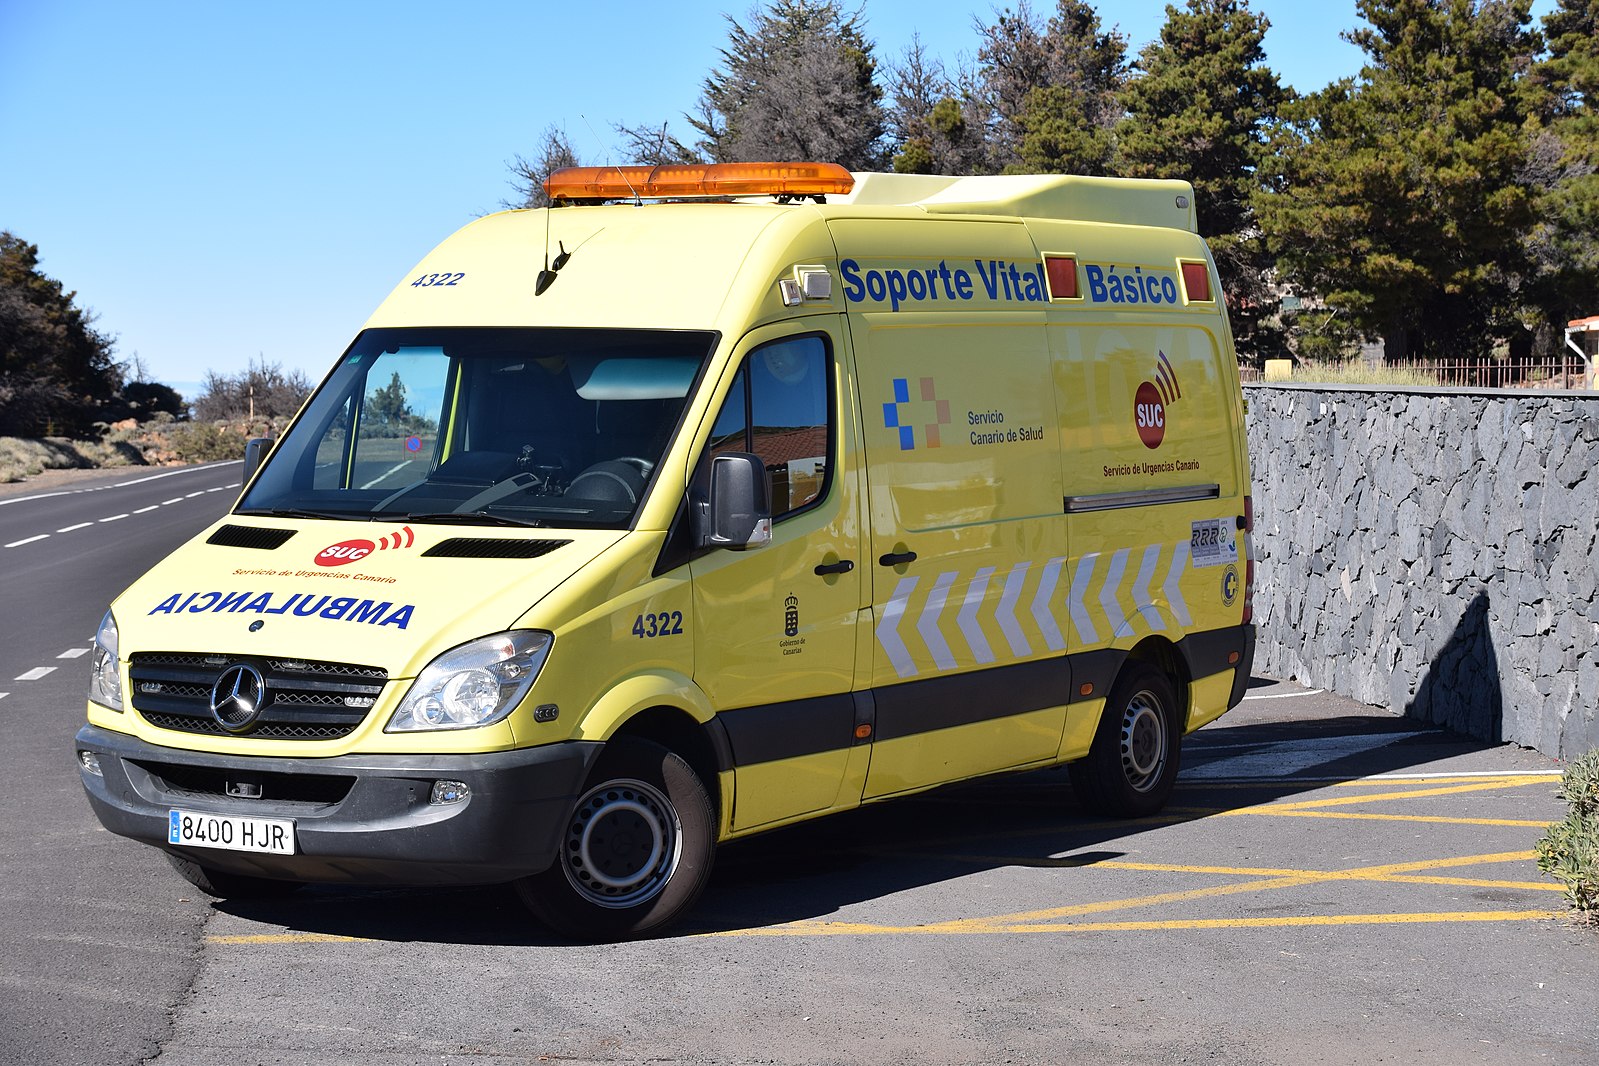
358,819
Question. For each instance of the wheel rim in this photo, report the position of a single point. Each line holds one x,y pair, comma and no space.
1144,742
622,844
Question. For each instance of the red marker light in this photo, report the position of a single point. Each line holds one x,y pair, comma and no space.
1062,271
1196,282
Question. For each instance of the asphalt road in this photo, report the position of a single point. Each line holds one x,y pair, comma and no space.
94,946
1332,884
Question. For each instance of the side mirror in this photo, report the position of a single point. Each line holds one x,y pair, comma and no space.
739,509
254,452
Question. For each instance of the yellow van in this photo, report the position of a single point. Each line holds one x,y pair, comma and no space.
709,500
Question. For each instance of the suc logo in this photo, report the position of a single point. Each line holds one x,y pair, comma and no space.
1151,401
348,551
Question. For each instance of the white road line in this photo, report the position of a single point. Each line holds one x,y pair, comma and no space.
1287,758
3,695
391,471
166,503
1286,695
192,495
115,517
73,653
80,525
147,510
120,484
219,488
28,540
35,674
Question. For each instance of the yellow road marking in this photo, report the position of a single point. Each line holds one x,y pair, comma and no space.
1076,862
1287,879
288,938
1266,879
862,929
1359,816
1345,801
1527,778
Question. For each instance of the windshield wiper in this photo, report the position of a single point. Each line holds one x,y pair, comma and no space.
470,518
299,512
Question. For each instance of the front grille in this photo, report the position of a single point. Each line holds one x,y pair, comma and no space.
203,782
304,700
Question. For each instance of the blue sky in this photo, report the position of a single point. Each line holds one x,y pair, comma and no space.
222,181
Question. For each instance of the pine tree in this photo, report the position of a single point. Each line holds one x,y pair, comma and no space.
56,370
1201,109
931,119
1398,195
528,175
1047,92
800,84
1563,242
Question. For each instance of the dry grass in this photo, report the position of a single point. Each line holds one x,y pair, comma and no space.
21,458
1355,372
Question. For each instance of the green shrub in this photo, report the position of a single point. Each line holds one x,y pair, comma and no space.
204,442
1569,850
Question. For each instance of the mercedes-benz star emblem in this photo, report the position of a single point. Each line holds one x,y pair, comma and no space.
238,697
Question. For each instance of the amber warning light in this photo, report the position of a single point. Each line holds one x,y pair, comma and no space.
710,179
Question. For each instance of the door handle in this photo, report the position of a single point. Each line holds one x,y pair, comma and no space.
843,566
896,558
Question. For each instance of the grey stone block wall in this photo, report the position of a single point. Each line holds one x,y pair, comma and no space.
1432,551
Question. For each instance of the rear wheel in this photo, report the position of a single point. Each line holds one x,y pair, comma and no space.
1132,766
229,886
637,849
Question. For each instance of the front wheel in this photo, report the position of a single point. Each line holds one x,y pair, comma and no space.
637,848
1132,766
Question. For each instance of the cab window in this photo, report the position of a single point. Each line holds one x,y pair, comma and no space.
781,408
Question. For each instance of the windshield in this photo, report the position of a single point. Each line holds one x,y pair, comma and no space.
547,427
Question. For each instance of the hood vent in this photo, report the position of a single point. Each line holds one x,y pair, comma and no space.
250,537
492,548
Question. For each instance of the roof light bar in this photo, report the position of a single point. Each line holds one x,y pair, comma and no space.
708,179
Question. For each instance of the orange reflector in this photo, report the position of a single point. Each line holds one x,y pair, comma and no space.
699,179
1196,281
862,731
1062,270
1233,657
1087,689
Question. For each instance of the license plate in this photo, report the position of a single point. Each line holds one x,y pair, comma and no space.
231,832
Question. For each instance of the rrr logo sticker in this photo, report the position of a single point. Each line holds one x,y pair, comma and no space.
1151,401
348,551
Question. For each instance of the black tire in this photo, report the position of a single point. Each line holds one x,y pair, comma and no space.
1132,766
229,886
637,849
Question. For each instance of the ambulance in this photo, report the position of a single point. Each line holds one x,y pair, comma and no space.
706,501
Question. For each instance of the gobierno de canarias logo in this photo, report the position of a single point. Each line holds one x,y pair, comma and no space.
348,551
1151,401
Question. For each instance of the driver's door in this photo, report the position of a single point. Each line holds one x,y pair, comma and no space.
775,628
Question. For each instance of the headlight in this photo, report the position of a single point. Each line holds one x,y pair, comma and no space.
105,678
476,684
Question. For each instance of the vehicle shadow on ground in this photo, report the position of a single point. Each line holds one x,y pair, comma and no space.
815,869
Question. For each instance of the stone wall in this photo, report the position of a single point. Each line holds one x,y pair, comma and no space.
1432,551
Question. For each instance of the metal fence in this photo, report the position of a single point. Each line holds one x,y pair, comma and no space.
1567,372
